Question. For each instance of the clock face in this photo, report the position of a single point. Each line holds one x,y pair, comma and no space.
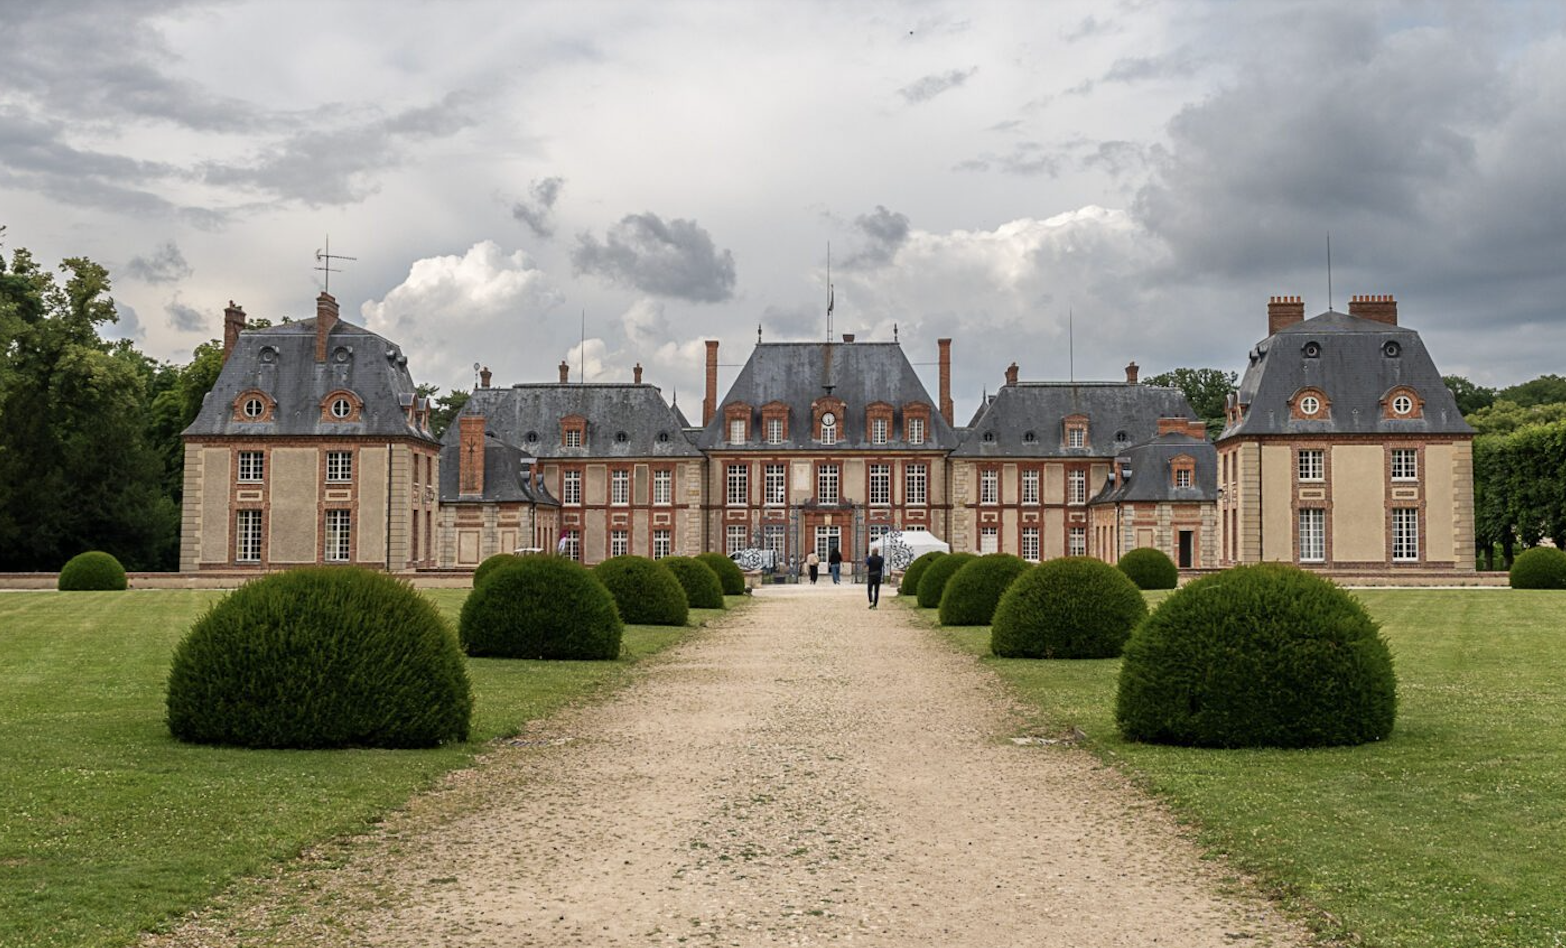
828,419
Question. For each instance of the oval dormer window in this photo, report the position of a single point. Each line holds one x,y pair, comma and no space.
621,437
663,437
989,436
340,354
1121,437
1312,350
532,437
1402,404
1310,405
268,354
1029,437
341,408
1392,350
254,408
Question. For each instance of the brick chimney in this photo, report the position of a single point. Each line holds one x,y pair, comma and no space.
1284,311
848,337
636,374
1185,426
1382,309
1011,374
709,405
947,411
325,322
233,325
470,463
1131,373
565,371
484,376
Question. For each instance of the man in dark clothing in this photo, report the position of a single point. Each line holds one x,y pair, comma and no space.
835,565
873,567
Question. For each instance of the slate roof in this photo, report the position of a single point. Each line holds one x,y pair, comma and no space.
1354,371
861,374
1119,415
508,475
1150,480
280,361
624,420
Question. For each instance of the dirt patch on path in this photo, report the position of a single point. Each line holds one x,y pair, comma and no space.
809,771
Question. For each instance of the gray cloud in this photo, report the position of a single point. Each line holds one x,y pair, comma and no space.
1176,65
127,324
1089,27
537,210
676,259
884,232
164,265
927,88
1025,158
184,318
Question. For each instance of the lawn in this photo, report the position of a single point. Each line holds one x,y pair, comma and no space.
109,827
1450,833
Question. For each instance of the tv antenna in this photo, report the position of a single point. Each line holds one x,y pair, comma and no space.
325,258
831,295
1329,270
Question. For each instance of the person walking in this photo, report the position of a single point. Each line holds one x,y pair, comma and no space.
873,566
835,565
813,563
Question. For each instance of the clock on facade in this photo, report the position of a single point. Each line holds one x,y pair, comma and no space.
828,418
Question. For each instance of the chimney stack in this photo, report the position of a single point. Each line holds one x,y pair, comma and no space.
636,374
947,411
484,376
233,325
1011,374
709,405
1381,308
325,322
470,463
1185,426
565,371
1131,373
1284,311
848,337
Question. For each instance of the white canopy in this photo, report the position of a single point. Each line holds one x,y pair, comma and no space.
903,547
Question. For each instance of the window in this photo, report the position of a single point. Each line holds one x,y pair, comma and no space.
1405,534
571,487
774,431
1312,464
989,487
1030,487
827,538
619,542
736,431
1076,435
573,437
1030,544
1402,405
829,428
915,430
878,429
571,545
1313,535
247,536
337,535
880,483
253,408
661,544
1076,542
775,485
734,538
251,465
620,486
1310,405
1405,464
989,540
341,408
663,486
1182,477
738,480
1076,487
827,484
878,532
916,480
339,465
774,538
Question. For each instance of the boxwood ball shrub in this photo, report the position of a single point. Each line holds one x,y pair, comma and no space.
541,607
974,590
1257,656
729,573
1539,567
646,591
932,582
703,589
1075,607
95,570
1150,568
493,563
915,571
320,657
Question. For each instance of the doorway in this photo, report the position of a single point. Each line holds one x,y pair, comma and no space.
1187,548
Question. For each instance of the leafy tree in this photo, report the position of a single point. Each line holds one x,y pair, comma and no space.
443,409
1470,397
1205,389
1505,416
1544,390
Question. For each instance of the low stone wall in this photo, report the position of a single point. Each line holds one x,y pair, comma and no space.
454,579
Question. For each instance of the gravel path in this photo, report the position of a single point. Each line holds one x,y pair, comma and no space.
807,772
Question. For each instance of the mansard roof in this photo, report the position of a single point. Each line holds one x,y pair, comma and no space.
1150,479
623,420
1356,364
509,475
859,373
1118,414
279,362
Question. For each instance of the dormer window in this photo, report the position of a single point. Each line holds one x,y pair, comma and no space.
828,414
573,431
254,406
774,422
1311,350
878,430
829,428
1402,404
341,406
736,431
736,418
878,420
1310,404
1391,349
1076,431
1182,471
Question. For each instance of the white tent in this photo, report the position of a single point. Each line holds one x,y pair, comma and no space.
903,547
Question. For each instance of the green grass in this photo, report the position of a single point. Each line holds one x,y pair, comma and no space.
1450,833
108,826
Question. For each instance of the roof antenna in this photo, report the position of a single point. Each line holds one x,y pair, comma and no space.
1071,343
1329,271
831,295
581,351
894,332
326,267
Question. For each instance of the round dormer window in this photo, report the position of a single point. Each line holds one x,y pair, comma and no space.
341,408
340,354
1312,350
1392,349
621,437
1310,405
268,354
1402,405
1121,437
1029,437
254,408
532,437
663,437
989,436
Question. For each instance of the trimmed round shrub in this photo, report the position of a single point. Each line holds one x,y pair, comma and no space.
703,589
1257,656
729,573
932,583
1150,568
493,563
647,592
541,607
95,570
972,593
915,571
1075,607
1539,567
320,657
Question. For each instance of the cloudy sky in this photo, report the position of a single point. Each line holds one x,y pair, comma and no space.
1150,172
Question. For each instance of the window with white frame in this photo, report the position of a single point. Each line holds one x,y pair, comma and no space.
662,486
774,430
735,538
878,430
1030,544
915,430
1076,541
573,437
1313,535
989,487
1076,436
776,484
571,487
619,542
572,548
1030,486
1182,477
1312,464
1405,464
1076,487
736,430
828,538
827,484
989,540
338,523
252,465
916,484
1405,534
829,428
737,479
247,536
662,544
878,532
620,486
339,465
881,484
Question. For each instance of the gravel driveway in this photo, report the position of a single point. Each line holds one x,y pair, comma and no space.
806,771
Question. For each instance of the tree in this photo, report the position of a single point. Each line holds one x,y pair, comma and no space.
1506,417
1206,389
443,410
1470,397
1544,390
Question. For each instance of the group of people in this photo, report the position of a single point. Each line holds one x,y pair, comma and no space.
874,565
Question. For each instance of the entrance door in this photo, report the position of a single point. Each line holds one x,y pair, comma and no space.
1187,547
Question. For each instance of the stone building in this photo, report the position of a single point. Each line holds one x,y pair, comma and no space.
1161,494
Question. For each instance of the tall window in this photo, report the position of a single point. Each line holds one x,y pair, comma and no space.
735,538
1313,535
916,483
774,431
827,484
1076,436
620,487
1030,544
247,536
339,465
571,487
1182,477
989,487
878,532
1405,464
826,539
337,534
1312,464
878,429
573,544
661,544
1030,487
829,428
774,537
619,542
1076,542
880,483
738,481
736,430
573,437
989,540
662,486
1405,534
251,465
915,430
776,484
1076,487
